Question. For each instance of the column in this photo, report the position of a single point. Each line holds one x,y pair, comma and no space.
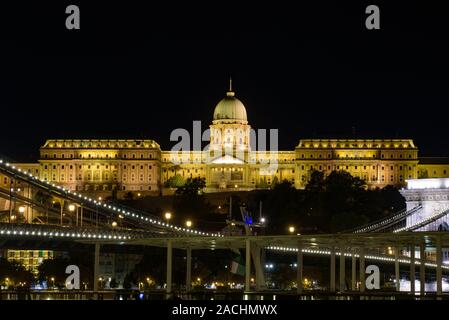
169,265
258,268
11,186
422,269
353,271
299,270
96,266
189,269
342,269
332,275
76,215
412,268
62,211
439,270
362,269
396,268
114,274
248,266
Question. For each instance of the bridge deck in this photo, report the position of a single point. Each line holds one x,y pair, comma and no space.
366,240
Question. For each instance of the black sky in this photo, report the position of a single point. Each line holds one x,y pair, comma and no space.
307,70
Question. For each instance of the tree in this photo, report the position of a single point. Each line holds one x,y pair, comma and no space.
175,182
193,186
342,181
55,268
189,199
316,182
14,274
332,203
283,206
284,277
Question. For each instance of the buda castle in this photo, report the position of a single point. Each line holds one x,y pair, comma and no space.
141,167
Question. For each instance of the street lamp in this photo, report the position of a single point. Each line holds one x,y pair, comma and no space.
188,223
21,209
291,229
114,224
167,215
72,208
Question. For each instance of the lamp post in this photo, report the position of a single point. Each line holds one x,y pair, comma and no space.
291,229
189,223
11,189
72,208
62,211
168,216
96,216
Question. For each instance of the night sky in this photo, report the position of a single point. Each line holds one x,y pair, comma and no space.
307,70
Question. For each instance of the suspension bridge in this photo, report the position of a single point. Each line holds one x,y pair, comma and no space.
414,236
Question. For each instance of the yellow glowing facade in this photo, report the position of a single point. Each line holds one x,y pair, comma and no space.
378,162
102,165
30,259
140,166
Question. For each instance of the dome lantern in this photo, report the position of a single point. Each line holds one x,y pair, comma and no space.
230,109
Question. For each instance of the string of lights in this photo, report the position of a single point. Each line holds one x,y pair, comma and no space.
113,208
399,216
424,222
368,257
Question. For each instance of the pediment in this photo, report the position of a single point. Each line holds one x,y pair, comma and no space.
227,159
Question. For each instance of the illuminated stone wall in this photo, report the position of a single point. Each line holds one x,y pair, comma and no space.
378,162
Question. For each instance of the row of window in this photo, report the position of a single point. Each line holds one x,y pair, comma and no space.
347,156
107,187
188,170
304,178
312,167
353,145
100,156
98,167
96,177
29,254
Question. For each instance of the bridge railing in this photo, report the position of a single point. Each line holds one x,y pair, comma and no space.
386,222
424,222
120,294
108,208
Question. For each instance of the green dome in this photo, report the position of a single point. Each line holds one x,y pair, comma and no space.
230,108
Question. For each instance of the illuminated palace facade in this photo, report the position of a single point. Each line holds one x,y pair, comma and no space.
140,166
